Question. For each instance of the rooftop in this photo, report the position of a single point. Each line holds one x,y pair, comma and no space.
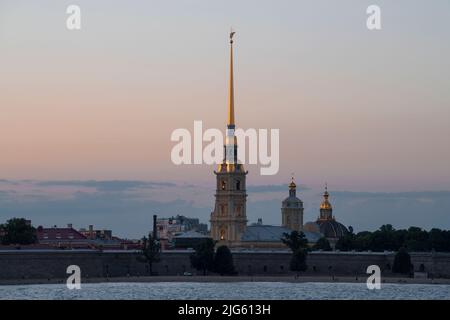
268,233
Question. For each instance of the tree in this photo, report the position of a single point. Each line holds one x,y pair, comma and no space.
18,231
203,257
295,240
384,239
362,240
402,262
437,239
387,238
298,243
417,240
322,244
151,250
346,243
223,261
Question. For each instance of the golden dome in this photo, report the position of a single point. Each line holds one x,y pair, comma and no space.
325,205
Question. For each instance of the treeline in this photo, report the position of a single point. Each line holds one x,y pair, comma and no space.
17,231
390,239
205,258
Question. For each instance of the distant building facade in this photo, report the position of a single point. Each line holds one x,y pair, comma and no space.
168,228
189,240
92,234
69,238
62,237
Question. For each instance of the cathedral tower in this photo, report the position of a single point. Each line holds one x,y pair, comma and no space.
328,226
229,218
292,210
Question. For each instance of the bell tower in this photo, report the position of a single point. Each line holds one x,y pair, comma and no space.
229,218
292,210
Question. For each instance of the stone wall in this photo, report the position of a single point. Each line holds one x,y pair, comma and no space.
21,264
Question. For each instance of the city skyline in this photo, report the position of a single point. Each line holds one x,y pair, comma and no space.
127,207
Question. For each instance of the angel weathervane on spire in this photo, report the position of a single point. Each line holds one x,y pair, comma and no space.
231,35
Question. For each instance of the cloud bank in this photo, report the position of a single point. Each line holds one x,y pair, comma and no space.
127,206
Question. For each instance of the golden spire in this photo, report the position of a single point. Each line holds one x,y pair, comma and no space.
231,85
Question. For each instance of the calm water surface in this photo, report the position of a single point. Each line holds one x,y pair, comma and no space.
239,290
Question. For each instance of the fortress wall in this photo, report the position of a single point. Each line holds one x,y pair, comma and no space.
441,265
45,264
344,263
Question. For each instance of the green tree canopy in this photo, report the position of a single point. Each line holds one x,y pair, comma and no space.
417,240
387,238
298,243
402,262
295,240
151,250
223,261
18,231
346,243
203,257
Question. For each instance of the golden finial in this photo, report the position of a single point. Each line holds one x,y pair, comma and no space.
292,185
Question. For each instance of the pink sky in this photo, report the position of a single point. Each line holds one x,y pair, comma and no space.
362,110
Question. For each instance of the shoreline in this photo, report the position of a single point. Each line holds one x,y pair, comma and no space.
224,279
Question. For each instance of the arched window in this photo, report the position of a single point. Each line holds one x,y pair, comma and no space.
223,185
222,234
238,184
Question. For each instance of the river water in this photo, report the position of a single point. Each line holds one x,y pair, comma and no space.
230,290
